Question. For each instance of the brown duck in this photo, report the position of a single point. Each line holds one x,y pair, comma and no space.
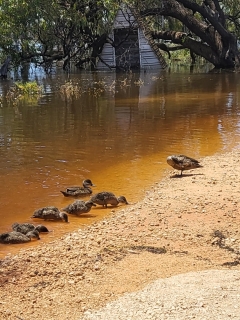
18,237
50,213
78,207
79,191
27,227
182,162
105,197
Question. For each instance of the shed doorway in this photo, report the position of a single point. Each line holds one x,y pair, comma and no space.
127,49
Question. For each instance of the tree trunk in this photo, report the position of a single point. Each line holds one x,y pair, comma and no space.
4,68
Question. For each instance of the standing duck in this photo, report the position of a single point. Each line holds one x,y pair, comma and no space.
105,197
182,163
18,237
79,191
78,207
50,213
27,227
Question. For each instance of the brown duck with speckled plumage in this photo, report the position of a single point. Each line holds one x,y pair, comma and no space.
18,237
182,162
27,227
79,191
105,197
50,213
79,207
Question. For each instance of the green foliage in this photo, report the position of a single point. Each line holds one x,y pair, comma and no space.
44,31
181,56
30,88
232,10
29,91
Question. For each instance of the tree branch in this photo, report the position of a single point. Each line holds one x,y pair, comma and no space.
179,10
181,38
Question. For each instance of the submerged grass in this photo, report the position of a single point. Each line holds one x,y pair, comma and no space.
70,90
23,91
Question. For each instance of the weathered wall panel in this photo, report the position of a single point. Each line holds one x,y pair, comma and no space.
148,58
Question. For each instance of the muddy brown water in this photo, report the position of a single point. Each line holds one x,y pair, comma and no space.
118,132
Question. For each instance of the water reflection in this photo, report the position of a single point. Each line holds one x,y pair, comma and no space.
117,133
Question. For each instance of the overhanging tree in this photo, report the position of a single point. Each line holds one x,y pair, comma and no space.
44,31
212,27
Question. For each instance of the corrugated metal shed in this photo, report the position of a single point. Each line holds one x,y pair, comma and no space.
135,48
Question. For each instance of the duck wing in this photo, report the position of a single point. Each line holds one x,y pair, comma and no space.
76,191
112,200
188,159
184,163
73,189
190,163
100,197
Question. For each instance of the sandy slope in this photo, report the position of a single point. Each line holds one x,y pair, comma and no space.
186,224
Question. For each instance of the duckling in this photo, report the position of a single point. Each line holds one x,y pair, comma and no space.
18,237
26,227
79,191
99,198
50,213
182,163
78,207
105,197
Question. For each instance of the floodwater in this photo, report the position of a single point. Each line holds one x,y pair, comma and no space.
117,132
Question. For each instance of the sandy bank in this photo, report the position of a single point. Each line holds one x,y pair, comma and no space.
186,224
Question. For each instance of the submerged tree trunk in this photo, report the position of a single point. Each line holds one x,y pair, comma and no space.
4,68
209,36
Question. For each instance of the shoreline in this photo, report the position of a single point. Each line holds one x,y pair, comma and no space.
182,225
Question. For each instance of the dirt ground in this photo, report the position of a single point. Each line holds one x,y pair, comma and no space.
188,223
